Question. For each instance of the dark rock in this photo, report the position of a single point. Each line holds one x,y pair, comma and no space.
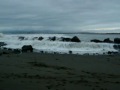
66,39
117,47
2,44
5,48
117,40
41,52
112,53
107,40
52,38
109,52
16,51
70,52
21,38
104,53
4,52
75,39
55,53
35,38
9,49
40,38
27,48
96,41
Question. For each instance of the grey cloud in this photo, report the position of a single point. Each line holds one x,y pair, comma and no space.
59,15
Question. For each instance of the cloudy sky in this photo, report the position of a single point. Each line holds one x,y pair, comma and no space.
60,15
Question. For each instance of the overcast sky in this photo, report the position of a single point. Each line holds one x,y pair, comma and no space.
60,15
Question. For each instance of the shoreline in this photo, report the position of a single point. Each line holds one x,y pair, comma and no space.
19,51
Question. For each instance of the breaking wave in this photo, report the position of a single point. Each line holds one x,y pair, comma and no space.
57,46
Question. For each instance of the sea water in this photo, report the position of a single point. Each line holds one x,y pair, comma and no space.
58,46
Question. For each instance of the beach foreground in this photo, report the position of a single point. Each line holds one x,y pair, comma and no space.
34,71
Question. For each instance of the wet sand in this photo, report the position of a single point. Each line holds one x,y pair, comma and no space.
34,71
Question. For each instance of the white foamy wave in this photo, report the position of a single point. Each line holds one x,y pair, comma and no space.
80,48
13,42
64,47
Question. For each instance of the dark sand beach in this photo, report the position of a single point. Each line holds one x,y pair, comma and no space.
34,71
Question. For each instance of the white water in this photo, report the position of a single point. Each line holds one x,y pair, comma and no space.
84,47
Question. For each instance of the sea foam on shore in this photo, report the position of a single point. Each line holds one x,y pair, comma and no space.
16,41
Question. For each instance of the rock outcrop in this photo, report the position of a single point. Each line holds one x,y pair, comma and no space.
75,39
65,39
107,40
40,38
2,44
27,48
52,38
117,47
117,40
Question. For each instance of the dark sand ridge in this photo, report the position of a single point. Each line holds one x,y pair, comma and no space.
34,71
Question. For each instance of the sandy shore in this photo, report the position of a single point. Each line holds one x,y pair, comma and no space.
33,71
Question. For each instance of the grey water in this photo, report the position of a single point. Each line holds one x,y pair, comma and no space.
88,37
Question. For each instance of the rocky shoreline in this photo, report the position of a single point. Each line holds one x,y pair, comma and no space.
23,69
29,48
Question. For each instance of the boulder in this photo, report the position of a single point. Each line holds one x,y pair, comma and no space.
52,38
112,53
6,51
70,52
117,47
9,49
117,40
107,40
16,51
75,39
96,41
4,48
40,38
2,44
41,51
21,38
27,48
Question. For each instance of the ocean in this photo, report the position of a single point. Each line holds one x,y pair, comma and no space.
13,41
